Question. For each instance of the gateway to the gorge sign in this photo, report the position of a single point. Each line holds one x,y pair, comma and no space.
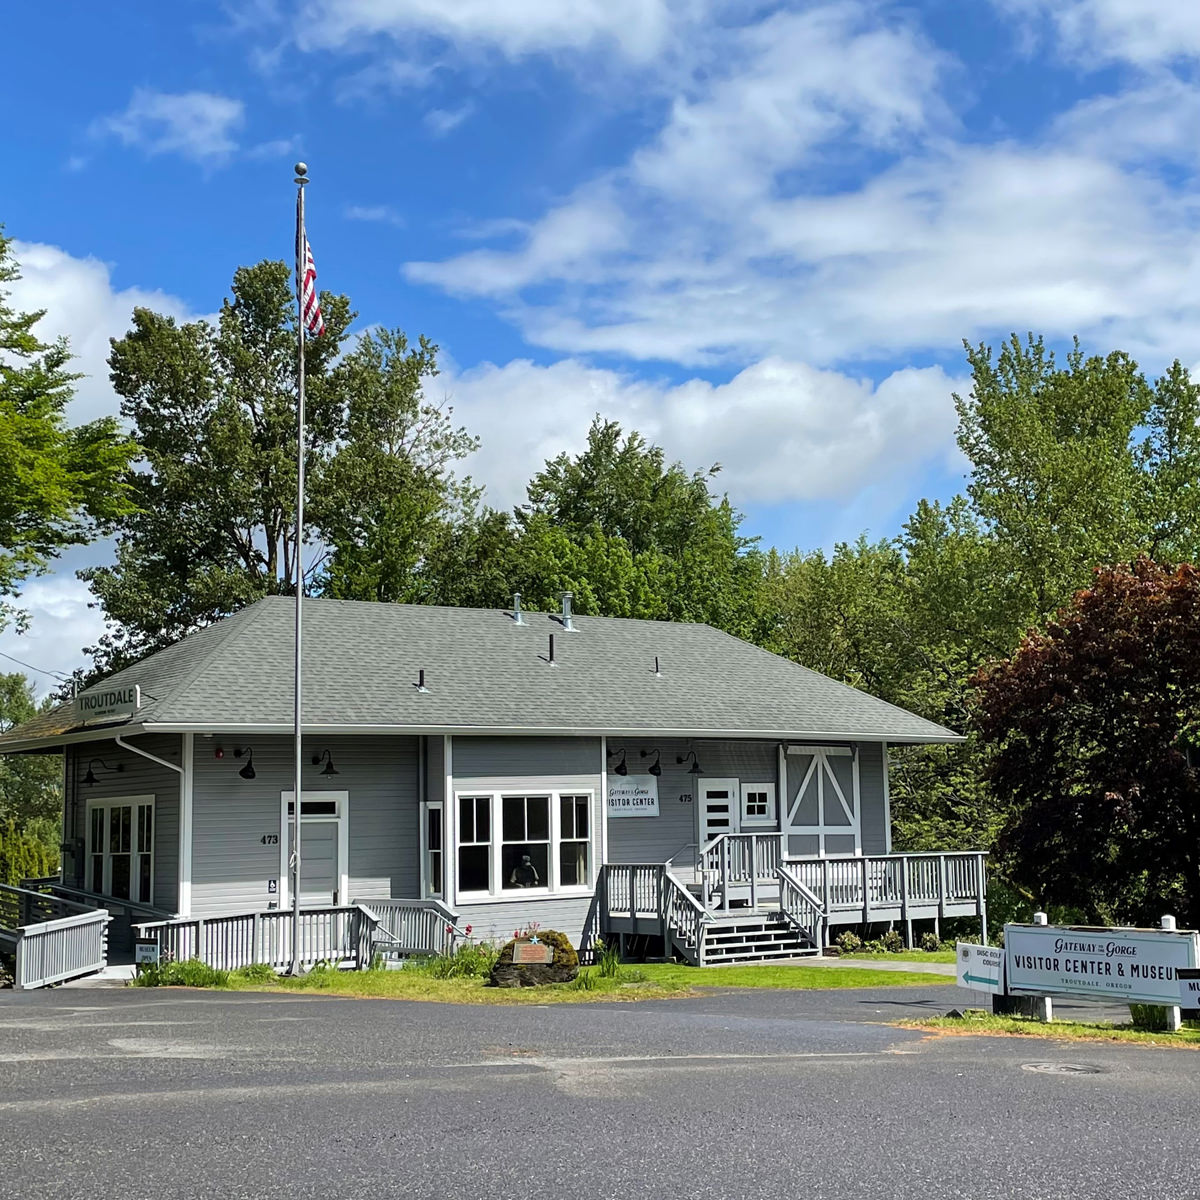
1137,965
633,795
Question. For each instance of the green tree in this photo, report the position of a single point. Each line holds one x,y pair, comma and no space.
633,535
388,493
60,485
1095,727
30,793
214,408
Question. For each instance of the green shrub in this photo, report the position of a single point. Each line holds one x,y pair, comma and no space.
472,960
1152,1017
585,981
25,852
891,942
930,942
254,973
190,973
608,959
632,975
848,942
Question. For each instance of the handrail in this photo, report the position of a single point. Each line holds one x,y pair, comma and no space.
684,917
340,934
55,888
30,896
64,948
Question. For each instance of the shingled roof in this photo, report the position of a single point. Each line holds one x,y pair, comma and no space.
483,673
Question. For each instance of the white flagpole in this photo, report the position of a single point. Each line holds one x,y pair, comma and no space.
298,823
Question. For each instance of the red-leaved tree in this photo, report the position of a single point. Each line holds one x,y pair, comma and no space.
1094,728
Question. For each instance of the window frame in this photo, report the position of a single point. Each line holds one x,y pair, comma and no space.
497,893
771,819
135,848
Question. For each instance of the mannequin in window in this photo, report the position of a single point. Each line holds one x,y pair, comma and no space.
524,874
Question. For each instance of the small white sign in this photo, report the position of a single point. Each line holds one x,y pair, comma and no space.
145,952
633,795
980,968
1189,988
1136,965
108,704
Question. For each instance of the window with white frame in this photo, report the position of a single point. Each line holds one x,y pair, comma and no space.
758,804
574,840
121,848
508,843
475,843
434,840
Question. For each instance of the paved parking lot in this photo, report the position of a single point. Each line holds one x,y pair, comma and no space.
124,1093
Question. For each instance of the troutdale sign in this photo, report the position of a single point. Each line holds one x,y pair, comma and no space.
108,704
1137,965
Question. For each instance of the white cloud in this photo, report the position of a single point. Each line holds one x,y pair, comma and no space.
1142,32
81,305
200,126
635,29
782,430
383,214
441,121
61,624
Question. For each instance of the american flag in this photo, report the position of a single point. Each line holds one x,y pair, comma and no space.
306,283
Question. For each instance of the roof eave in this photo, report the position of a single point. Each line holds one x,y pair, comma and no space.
52,741
943,737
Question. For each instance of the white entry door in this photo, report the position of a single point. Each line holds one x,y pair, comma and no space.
718,808
324,852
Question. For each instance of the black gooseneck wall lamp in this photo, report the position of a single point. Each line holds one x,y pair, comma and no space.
90,778
655,767
247,752
326,757
695,768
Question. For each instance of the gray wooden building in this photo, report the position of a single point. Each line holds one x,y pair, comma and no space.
638,779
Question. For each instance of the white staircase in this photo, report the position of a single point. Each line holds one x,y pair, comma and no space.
754,937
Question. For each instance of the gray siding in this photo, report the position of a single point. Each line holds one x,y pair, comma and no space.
874,811
435,768
512,757
497,922
231,866
138,777
655,839
492,764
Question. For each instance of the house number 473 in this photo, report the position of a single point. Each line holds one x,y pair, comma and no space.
269,839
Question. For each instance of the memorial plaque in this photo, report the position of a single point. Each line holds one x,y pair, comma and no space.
530,953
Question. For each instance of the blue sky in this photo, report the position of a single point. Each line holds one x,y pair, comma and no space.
757,231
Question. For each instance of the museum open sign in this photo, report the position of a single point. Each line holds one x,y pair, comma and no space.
633,796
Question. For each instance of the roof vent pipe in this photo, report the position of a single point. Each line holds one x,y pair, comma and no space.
421,681
550,660
566,598
517,608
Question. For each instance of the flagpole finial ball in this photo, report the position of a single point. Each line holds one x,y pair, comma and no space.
301,168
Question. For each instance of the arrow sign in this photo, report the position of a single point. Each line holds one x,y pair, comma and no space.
989,980
980,967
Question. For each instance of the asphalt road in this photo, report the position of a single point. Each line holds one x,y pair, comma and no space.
175,1094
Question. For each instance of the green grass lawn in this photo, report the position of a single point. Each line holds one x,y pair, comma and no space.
650,981
974,1024
929,956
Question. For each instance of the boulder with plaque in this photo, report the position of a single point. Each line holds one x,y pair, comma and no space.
546,956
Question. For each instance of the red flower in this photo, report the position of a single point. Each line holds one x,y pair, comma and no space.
468,931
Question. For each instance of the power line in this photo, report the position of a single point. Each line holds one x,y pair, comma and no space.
31,667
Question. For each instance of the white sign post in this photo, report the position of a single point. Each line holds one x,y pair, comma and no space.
980,968
633,795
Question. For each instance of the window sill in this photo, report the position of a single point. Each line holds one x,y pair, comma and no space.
518,894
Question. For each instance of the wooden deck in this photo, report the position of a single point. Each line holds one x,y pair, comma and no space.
748,876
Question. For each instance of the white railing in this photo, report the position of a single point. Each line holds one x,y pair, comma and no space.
340,936
914,884
740,860
685,918
634,889
48,952
414,926
801,907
